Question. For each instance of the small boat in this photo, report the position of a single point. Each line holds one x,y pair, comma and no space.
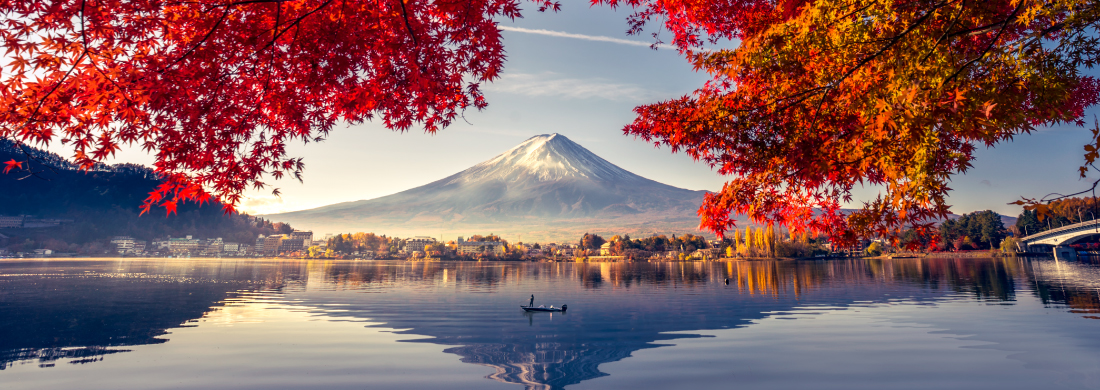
542,308
531,306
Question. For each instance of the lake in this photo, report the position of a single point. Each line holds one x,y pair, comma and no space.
1011,323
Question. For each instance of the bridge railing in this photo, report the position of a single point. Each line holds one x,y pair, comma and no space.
1093,224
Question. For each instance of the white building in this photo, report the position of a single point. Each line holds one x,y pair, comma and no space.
605,249
123,244
7,221
417,244
305,236
183,245
475,247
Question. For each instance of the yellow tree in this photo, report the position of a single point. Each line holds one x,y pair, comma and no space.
770,237
761,243
749,242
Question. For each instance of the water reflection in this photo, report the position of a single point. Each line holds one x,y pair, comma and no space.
65,311
82,311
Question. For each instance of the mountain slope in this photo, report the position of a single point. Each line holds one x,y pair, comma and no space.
102,202
545,181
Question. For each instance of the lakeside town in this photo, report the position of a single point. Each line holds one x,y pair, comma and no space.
762,242
980,233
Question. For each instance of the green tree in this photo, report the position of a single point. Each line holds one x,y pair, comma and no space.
875,249
1008,245
983,228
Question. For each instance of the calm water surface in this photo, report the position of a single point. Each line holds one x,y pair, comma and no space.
256,324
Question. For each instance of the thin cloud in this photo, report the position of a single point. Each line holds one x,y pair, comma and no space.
596,38
261,205
550,84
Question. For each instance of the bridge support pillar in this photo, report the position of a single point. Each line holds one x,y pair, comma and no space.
1066,253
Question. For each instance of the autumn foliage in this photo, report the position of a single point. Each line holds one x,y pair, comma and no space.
216,89
821,97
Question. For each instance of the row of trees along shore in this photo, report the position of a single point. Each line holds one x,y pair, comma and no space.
390,247
762,241
984,230
980,230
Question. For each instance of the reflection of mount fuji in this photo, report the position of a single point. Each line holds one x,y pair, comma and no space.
539,369
623,308
547,183
615,309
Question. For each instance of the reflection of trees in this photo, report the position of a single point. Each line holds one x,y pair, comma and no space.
992,279
1085,304
45,356
1073,284
47,316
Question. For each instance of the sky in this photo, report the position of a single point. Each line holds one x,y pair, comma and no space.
577,73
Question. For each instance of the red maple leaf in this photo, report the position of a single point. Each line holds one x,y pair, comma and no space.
12,164
170,207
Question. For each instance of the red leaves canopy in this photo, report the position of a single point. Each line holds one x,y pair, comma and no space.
217,88
823,96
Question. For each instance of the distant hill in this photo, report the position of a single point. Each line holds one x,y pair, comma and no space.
103,202
546,188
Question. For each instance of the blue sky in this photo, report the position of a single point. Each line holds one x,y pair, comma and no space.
557,82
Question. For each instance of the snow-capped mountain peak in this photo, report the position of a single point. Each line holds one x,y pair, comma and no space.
547,157
548,182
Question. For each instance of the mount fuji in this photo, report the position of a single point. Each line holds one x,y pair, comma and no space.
546,188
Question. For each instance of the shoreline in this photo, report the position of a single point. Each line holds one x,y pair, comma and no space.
933,255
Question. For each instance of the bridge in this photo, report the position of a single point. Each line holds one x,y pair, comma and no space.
1058,239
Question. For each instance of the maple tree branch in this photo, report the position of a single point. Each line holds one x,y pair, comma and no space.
988,48
31,158
405,14
200,42
56,86
233,4
984,29
893,41
295,23
1060,196
943,36
60,81
824,89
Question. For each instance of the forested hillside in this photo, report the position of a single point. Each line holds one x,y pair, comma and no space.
103,202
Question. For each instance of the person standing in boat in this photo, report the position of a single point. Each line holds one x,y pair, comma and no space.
532,304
